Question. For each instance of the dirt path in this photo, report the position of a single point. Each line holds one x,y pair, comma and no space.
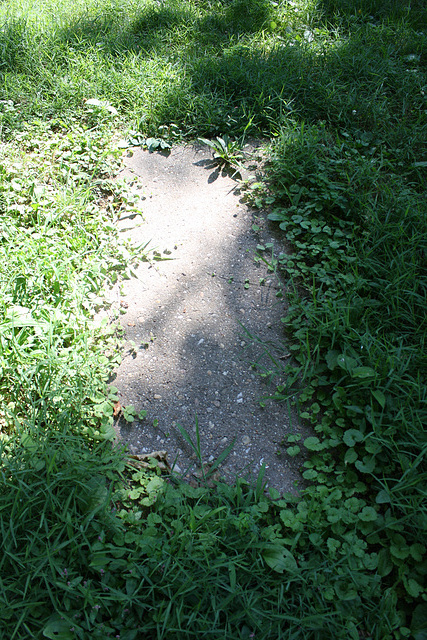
193,313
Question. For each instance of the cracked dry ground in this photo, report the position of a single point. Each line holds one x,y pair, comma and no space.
192,318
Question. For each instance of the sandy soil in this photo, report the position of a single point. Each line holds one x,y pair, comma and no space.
191,318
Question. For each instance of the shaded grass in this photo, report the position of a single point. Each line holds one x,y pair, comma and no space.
197,564
357,318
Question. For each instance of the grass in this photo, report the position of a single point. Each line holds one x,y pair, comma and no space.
90,571
93,547
59,250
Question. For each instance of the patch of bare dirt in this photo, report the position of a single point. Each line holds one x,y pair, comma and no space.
191,318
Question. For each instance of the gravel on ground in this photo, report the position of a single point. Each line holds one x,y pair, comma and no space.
199,320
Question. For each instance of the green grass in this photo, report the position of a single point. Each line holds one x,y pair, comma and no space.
93,547
203,68
59,249
90,571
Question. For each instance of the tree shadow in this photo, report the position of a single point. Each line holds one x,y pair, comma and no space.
344,12
204,313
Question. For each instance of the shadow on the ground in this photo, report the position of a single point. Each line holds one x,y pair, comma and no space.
212,319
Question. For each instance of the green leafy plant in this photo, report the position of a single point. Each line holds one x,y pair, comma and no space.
346,336
226,152
116,556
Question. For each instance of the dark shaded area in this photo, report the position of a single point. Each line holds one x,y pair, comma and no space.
393,11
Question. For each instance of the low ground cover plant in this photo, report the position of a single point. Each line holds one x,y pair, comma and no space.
96,547
358,323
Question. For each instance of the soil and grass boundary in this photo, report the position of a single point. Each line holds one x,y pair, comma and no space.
95,544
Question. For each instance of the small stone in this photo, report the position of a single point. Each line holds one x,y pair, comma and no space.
157,396
224,440
246,439
216,403
210,425
209,372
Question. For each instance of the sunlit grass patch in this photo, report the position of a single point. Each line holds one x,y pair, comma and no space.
59,250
